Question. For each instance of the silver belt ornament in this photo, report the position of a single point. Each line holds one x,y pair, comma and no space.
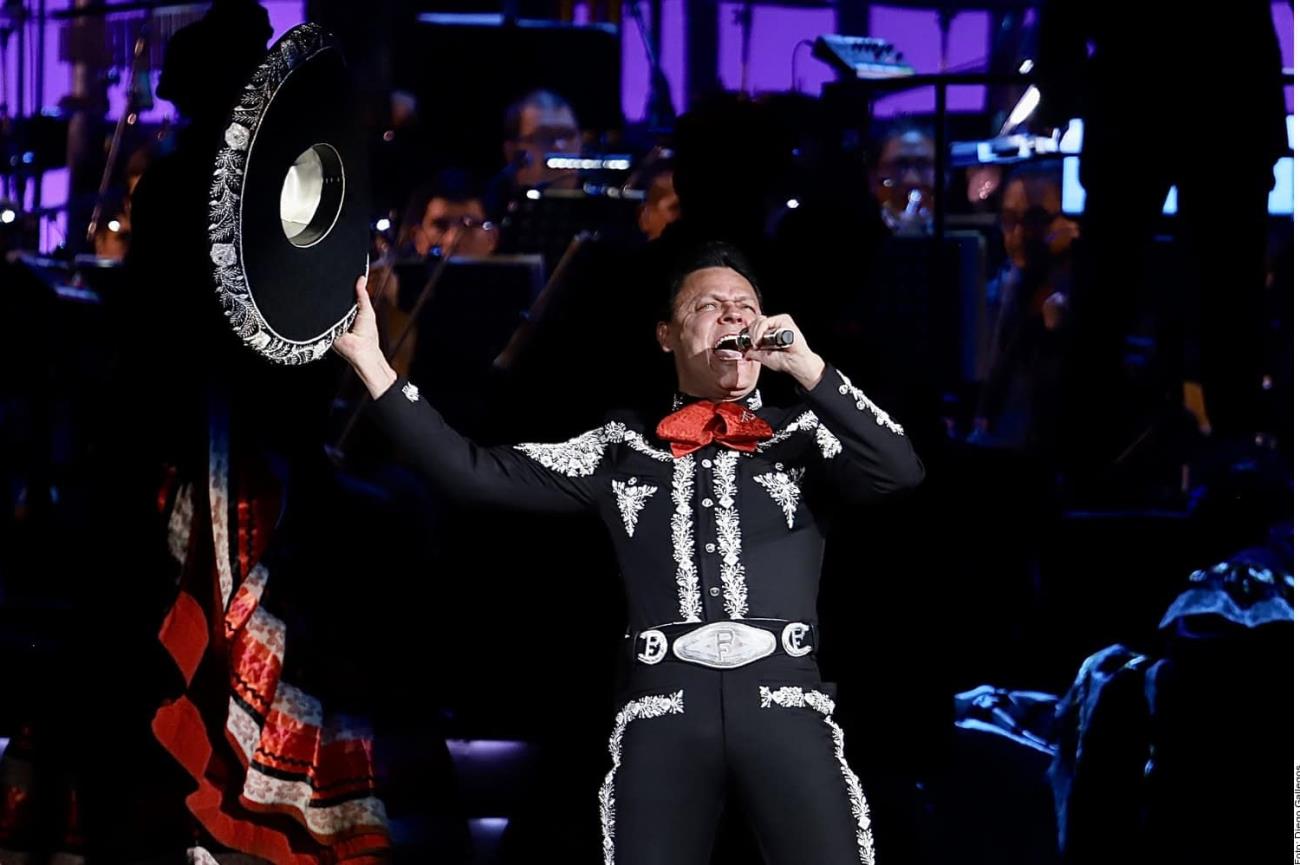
656,646
724,645
792,640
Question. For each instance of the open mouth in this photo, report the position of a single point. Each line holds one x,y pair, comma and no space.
728,347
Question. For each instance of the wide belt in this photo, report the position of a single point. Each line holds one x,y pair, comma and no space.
723,645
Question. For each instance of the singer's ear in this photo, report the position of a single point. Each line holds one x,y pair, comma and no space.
662,332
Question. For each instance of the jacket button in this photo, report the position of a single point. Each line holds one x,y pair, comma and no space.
708,503
714,592
708,464
709,548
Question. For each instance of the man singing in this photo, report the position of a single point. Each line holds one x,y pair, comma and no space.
718,513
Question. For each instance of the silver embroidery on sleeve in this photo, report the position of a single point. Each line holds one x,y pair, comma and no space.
797,698
631,499
411,392
784,490
652,706
807,422
735,594
688,582
579,456
861,401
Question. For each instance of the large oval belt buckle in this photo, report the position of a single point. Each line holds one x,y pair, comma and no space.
724,645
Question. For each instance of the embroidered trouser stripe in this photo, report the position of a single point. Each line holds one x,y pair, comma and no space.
652,706
793,697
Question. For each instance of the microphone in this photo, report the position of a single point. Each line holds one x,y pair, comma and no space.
774,341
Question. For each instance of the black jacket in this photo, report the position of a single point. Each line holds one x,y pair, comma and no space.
712,535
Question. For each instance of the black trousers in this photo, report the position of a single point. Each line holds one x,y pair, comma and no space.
684,733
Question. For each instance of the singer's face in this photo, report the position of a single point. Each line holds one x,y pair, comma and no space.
712,303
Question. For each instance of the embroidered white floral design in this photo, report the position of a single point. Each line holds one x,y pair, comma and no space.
223,254
860,399
199,856
579,456
637,442
237,136
226,195
631,499
411,392
783,487
828,443
688,582
793,697
807,422
652,706
735,594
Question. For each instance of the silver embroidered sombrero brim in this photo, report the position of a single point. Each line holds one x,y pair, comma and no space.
289,220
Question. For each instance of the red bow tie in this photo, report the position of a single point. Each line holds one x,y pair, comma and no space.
726,423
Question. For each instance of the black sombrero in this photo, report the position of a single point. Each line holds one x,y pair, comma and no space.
289,222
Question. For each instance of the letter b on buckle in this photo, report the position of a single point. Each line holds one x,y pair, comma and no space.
656,646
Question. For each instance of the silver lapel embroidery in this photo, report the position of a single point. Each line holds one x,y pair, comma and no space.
637,442
652,706
579,456
861,401
807,422
828,443
735,594
631,499
796,698
688,582
783,487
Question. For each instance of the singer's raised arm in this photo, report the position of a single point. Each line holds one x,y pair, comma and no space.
515,477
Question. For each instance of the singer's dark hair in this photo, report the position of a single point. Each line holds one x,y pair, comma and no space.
699,256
